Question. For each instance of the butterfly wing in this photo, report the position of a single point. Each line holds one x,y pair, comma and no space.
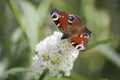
72,28
60,19
79,43
80,34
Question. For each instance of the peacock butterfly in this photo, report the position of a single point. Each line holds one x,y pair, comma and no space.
72,28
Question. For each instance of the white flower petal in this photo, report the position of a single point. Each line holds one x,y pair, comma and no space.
54,54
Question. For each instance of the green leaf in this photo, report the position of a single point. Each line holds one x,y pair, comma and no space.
30,18
27,17
43,9
109,53
31,22
13,71
62,78
103,42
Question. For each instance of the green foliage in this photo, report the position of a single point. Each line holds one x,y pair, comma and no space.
12,72
23,23
29,18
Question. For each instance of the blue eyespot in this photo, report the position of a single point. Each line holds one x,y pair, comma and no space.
71,19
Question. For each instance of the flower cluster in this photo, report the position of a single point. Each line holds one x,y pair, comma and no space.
55,55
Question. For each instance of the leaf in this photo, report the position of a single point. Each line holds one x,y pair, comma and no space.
13,71
104,42
31,22
30,18
27,17
62,78
109,53
43,9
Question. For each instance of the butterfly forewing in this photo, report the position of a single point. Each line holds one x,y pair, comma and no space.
60,19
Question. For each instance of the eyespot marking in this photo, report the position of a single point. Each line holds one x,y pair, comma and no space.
55,16
71,19
80,47
85,35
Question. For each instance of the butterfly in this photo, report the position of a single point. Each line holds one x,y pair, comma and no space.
72,28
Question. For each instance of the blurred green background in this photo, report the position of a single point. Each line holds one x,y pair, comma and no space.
23,23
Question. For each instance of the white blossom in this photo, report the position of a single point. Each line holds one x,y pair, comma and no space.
55,55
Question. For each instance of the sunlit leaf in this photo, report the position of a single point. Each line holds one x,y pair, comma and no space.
27,17
43,9
30,18
31,22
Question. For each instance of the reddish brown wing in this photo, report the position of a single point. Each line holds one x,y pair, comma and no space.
60,19
79,43
79,34
72,28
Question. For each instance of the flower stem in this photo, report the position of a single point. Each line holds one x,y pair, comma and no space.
43,75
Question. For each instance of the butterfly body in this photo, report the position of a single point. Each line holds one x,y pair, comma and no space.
72,28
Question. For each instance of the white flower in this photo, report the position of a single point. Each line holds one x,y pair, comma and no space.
55,55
